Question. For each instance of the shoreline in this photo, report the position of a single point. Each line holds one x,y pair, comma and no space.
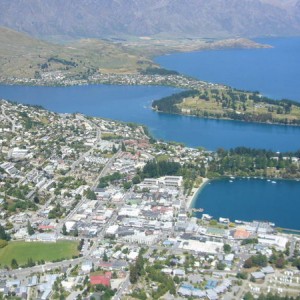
195,191
225,119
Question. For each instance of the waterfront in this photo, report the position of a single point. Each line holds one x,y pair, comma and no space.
252,199
132,104
241,199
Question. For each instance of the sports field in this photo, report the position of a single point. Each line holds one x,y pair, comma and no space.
22,251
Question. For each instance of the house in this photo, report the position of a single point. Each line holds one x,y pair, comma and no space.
87,266
258,275
179,272
267,270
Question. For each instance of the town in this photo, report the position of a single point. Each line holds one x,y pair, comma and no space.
63,78
97,209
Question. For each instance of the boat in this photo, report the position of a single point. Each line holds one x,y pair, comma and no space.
206,217
268,180
224,220
238,222
231,177
198,209
274,181
230,181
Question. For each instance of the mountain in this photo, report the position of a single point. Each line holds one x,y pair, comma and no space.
160,18
22,56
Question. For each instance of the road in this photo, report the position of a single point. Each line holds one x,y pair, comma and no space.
13,124
41,268
123,287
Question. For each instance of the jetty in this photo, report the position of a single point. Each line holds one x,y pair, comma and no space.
197,209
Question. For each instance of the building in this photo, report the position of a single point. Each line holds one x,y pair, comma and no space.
101,279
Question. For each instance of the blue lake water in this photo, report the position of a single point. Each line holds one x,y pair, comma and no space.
252,199
132,103
275,72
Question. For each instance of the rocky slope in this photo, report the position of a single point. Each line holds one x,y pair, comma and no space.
163,18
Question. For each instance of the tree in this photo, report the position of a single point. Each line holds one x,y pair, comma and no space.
14,264
213,222
77,197
221,266
36,199
90,194
248,263
30,263
75,233
30,230
296,263
123,148
260,260
127,185
248,296
227,248
280,263
114,149
64,230
104,257
242,275
139,263
3,234
136,179
133,275
3,243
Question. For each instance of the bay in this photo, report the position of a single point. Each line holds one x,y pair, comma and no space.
275,72
252,199
132,104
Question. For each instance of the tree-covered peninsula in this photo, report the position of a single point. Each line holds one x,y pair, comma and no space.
221,102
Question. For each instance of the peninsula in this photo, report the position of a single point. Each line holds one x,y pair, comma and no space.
222,102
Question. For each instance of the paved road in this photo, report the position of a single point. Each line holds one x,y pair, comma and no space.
124,286
13,124
41,268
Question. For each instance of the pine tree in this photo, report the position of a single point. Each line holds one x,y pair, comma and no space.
133,275
3,234
30,230
64,230
105,258
14,264
76,232
114,149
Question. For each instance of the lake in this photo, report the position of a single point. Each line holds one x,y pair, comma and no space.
275,72
132,103
252,199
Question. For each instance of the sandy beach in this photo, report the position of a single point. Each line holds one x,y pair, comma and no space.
195,192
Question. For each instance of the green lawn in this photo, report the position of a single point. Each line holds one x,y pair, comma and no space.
21,251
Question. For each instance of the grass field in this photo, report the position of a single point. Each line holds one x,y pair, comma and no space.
220,102
22,251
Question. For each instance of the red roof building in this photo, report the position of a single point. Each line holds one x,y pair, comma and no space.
241,233
101,279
